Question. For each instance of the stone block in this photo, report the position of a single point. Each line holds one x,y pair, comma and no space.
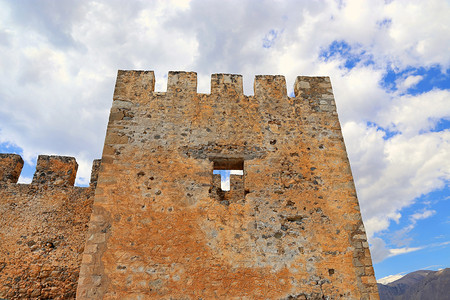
10,167
55,170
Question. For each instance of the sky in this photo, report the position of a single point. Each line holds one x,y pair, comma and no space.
389,64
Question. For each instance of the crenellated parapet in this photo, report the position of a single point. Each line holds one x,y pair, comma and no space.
133,84
317,90
140,85
51,170
10,167
43,226
224,83
270,86
182,82
94,173
223,110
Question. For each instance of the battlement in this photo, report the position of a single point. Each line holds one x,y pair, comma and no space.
10,167
50,170
273,86
225,83
139,85
43,227
55,170
94,172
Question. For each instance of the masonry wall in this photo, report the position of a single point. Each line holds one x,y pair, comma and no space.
293,229
42,228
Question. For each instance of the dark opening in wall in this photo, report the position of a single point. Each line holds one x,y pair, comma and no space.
227,168
228,163
228,179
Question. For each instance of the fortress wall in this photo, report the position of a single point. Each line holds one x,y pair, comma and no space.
290,229
42,228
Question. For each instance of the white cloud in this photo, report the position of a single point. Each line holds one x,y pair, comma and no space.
443,244
378,249
412,115
391,173
416,32
402,236
398,251
358,94
423,215
405,83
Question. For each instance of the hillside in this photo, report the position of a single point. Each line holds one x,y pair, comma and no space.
422,284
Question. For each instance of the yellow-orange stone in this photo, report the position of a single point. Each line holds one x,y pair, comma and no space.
42,228
161,227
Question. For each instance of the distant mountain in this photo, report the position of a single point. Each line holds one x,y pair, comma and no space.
419,285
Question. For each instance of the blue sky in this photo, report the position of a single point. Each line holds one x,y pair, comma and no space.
388,61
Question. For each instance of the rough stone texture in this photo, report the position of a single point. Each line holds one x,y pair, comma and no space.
55,170
94,172
10,167
42,230
291,230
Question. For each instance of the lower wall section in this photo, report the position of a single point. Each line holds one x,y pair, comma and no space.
42,233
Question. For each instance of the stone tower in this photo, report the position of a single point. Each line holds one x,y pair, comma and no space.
162,227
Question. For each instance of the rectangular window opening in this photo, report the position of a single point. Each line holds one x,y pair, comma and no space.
227,168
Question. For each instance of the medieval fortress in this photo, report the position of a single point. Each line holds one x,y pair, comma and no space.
155,223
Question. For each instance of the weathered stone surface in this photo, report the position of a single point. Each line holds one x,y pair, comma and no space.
42,231
161,226
94,173
289,228
55,170
10,167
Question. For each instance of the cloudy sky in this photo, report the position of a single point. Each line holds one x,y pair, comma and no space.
389,63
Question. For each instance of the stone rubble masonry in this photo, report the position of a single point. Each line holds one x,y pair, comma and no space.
94,173
55,170
42,228
161,227
10,167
